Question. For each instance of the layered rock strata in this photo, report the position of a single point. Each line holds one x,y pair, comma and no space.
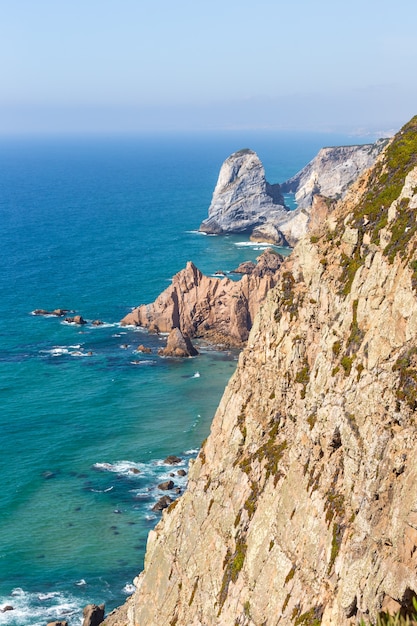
242,198
301,507
217,309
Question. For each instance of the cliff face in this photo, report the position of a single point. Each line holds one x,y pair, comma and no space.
218,309
301,507
332,171
242,199
329,176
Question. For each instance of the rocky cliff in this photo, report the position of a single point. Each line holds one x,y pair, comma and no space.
242,198
220,310
301,507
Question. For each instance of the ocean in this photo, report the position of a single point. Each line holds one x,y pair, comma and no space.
98,225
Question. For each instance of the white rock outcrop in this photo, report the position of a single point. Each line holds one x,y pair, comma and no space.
242,198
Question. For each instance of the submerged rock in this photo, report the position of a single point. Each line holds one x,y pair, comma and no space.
172,460
166,485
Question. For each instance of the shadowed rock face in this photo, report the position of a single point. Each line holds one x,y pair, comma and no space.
301,507
242,198
217,309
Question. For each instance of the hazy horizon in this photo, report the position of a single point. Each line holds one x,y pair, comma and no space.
107,67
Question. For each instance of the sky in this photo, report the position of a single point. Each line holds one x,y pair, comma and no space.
111,66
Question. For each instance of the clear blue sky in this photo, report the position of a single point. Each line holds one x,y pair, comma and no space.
133,65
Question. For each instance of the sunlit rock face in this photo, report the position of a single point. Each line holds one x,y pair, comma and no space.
302,503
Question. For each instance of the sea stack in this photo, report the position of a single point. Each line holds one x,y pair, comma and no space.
242,198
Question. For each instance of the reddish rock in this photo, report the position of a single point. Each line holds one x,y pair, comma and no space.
218,309
144,349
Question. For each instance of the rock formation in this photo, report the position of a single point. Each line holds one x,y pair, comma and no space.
242,199
178,345
244,202
218,309
301,507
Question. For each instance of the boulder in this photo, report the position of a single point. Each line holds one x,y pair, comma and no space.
93,615
162,504
60,312
166,485
181,472
59,623
77,319
6,608
172,460
268,233
178,345
144,349
97,323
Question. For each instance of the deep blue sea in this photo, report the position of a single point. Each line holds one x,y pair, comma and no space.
98,225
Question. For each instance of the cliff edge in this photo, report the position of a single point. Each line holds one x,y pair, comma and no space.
301,507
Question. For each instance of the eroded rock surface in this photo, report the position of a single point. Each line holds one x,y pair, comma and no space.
301,507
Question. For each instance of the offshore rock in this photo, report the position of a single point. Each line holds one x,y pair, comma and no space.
301,507
217,309
178,345
242,199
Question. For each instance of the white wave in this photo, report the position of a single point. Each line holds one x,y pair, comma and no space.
47,596
56,351
129,588
143,362
81,582
195,232
127,468
38,608
196,375
102,490
103,325
192,451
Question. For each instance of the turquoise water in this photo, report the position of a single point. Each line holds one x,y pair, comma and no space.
99,225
